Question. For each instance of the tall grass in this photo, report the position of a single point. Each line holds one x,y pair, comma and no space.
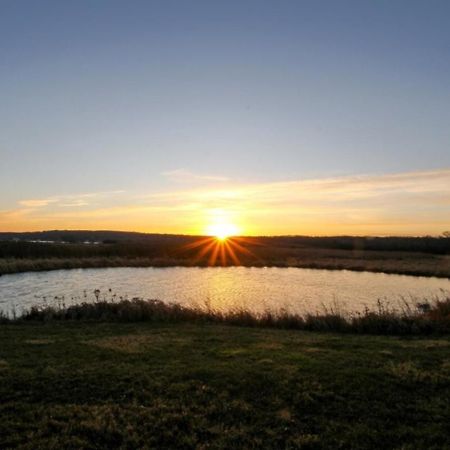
432,265
422,319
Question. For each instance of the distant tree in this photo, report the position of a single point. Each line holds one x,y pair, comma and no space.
109,241
446,234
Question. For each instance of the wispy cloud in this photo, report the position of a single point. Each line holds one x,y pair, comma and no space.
364,189
37,203
186,176
404,203
75,200
40,213
411,203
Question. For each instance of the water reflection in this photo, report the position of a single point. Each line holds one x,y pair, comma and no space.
298,290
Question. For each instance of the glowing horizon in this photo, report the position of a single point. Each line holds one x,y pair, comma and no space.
415,203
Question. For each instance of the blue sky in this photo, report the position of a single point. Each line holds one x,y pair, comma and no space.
107,96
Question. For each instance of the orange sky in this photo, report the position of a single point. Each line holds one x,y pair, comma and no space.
396,204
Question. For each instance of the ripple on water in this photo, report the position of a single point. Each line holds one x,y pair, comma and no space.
257,289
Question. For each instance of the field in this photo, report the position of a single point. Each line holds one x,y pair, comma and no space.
137,374
412,256
154,385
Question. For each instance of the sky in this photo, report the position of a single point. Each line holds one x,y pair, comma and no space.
276,117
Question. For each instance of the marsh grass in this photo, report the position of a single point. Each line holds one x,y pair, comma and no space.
395,262
420,319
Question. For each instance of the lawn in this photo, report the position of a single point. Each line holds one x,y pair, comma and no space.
146,385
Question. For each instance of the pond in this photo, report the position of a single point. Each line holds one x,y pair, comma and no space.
222,288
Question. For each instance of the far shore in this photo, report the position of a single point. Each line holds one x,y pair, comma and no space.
401,263
54,250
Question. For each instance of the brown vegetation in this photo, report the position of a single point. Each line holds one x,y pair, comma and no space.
411,256
424,318
406,263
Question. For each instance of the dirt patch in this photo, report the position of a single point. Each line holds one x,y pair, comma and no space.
446,365
284,414
266,361
313,350
3,365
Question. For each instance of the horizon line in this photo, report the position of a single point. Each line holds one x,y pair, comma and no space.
442,236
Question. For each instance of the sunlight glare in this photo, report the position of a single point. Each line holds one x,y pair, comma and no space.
222,230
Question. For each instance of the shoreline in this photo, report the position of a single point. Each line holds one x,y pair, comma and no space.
430,317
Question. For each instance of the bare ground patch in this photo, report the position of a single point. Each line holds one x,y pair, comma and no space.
314,350
3,364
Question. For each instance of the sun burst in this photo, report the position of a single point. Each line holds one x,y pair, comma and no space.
219,249
222,230
222,243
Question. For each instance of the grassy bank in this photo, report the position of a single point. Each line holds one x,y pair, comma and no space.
424,318
81,384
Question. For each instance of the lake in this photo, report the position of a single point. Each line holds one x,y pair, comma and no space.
257,289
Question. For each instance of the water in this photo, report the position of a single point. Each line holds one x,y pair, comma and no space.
257,289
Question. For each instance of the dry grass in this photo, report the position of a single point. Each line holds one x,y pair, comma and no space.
425,319
408,263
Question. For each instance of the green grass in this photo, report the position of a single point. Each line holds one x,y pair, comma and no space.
78,384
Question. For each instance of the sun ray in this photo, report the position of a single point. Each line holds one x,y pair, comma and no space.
203,251
198,243
213,258
221,245
218,251
251,241
239,247
223,255
232,254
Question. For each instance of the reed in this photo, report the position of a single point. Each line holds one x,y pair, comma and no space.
384,262
424,318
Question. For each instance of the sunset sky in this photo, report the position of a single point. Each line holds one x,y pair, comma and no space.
274,117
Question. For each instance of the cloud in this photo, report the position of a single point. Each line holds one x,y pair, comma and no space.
38,203
411,203
186,176
76,200
74,204
402,203
46,212
339,189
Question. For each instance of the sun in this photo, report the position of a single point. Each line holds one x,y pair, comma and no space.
221,242
222,230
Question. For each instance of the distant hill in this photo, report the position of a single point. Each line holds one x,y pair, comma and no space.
81,236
